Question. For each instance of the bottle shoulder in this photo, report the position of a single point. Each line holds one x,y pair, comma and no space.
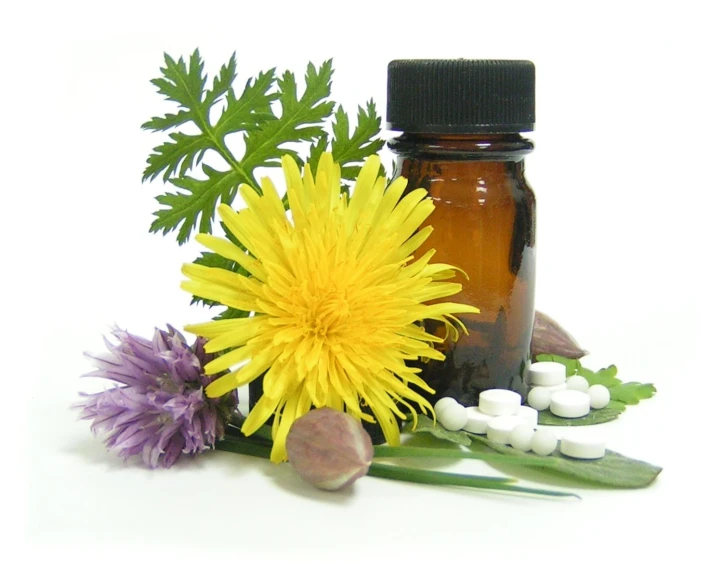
494,147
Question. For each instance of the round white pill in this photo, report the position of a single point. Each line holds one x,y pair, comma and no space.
442,403
586,449
477,421
528,415
547,373
599,395
521,438
570,404
578,383
539,398
499,402
499,428
544,442
452,416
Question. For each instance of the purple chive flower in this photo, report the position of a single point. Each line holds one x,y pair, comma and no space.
160,410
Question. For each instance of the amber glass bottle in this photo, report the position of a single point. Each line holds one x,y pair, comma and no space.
461,122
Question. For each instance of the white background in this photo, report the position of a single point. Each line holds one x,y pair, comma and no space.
629,213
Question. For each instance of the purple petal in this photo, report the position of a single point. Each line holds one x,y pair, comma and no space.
173,451
150,455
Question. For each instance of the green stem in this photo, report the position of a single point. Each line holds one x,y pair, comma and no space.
203,124
384,451
263,433
390,472
243,447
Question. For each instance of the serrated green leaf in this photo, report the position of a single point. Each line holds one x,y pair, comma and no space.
646,391
215,260
185,84
168,121
231,313
197,198
177,156
318,147
301,119
605,376
267,137
608,372
426,425
631,393
350,152
181,84
221,84
613,470
251,109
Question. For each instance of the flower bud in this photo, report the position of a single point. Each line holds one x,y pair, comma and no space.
329,448
551,338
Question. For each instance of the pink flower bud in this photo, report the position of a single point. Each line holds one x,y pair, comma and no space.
329,448
551,338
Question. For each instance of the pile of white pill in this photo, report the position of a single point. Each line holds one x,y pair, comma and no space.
568,398
501,416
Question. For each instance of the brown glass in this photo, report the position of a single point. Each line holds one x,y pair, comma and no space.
484,223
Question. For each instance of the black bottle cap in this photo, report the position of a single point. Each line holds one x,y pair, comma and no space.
460,96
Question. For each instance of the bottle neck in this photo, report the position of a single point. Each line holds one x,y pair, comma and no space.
463,147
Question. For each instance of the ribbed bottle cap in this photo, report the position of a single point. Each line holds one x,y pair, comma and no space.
460,96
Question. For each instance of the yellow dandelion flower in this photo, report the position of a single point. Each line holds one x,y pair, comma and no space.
337,295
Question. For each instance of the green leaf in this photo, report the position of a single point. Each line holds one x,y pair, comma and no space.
267,136
318,147
605,377
215,260
181,84
249,110
594,417
231,313
385,451
195,204
177,156
197,198
614,469
221,85
167,122
426,425
436,478
646,391
350,152
631,393
301,118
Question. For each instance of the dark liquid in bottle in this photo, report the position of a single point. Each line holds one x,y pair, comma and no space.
484,223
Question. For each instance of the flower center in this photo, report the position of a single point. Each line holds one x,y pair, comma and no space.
164,419
325,314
